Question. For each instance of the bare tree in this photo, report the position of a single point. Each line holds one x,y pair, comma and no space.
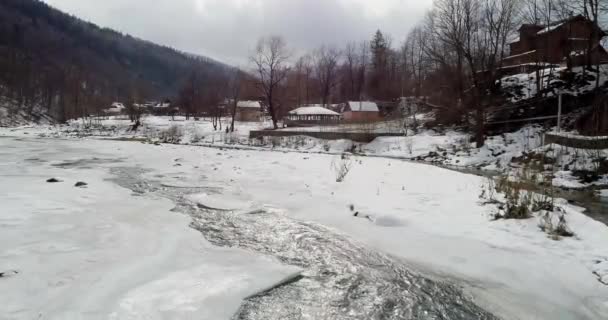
364,57
235,79
326,67
351,57
477,31
591,10
270,61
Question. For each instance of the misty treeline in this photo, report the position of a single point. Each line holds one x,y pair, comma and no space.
54,63
452,57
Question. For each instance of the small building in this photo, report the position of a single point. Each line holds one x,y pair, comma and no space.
564,42
360,111
248,111
160,108
311,115
115,109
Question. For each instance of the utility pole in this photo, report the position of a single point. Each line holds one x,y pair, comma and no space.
559,112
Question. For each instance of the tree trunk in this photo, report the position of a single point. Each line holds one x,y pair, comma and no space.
479,136
273,115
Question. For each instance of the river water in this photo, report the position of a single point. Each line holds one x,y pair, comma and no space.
341,279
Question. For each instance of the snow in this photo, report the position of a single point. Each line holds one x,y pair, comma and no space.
249,104
118,105
221,202
451,148
363,106
519,55
116,108
99,252
578,136
551,28
11,116
525,84
145,257
315,110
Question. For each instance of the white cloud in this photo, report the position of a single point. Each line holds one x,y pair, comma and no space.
227,30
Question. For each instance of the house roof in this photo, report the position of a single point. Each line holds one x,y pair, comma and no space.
313,110
363,106
530,26
556,25
249,104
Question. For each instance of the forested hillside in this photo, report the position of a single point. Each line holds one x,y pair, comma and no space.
56,62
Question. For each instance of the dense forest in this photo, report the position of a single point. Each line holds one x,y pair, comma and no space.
53,61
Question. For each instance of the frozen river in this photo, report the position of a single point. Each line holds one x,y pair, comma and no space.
171,232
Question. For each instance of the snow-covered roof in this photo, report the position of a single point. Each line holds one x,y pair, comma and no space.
363,106
249,104
551,28
313,110
118,105
519,55
162,105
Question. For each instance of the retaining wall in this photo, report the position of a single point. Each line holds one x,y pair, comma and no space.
582,142
326,135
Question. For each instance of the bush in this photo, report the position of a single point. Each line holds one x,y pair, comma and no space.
409,144
172,135
555,231
542,202
341,167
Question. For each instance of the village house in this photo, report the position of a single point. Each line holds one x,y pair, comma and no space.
311,115
248,111
360,111
562,43
115,109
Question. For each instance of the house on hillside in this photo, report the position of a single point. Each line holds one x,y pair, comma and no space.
248,111
360,111
562,43
311,115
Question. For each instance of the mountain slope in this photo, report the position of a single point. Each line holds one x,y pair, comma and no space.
46,54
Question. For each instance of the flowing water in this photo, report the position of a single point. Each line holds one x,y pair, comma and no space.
340,278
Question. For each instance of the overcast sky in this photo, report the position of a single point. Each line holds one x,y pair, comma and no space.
227,30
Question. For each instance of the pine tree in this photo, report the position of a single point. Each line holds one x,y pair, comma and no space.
379,48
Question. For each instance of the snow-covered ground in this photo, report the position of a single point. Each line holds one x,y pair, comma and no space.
446,147
524,86
103,251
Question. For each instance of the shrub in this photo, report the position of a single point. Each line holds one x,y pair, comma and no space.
555,231
341,167
409,144
172,135
518,203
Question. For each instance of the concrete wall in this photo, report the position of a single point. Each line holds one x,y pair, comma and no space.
353,136
361,116
247,114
